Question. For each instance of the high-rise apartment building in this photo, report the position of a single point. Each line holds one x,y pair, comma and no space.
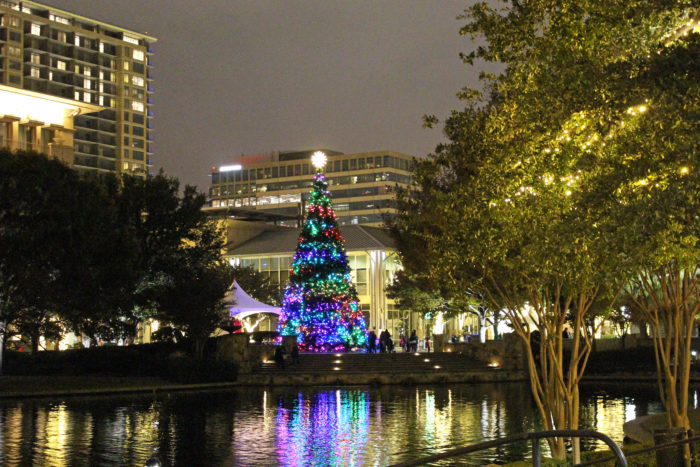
97,74
277,183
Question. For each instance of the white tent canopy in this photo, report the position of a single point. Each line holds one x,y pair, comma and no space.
242,305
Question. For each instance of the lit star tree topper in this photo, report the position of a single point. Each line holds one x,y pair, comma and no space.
320,303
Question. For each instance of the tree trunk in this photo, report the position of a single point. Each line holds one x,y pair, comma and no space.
34,336
482,327
3,327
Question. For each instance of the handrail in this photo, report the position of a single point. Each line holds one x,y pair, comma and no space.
656,447
537,435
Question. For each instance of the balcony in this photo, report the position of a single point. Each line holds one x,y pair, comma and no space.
56,151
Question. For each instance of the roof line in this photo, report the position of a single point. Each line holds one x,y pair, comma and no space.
371,236
92,20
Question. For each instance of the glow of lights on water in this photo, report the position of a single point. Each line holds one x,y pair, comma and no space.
437,367
56,435
449,402
337,361
417,354
429,413
426,359
336,368
327,428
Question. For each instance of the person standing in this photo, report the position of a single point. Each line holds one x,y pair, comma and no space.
279,357
372,341
413,341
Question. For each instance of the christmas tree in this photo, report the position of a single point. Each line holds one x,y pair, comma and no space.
320,303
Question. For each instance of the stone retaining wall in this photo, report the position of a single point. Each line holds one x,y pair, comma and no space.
353,379
506,353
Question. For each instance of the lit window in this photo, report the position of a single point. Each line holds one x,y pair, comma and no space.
59,19
138,106
36,59
138,55
87,72
131,40
137,80
126,66
76,95
126,78
76,40
86,97
60,64
36,29
35,72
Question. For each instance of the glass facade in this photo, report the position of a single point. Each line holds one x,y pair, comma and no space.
362,185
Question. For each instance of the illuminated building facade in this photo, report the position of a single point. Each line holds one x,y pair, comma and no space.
371,256
278,183
76,88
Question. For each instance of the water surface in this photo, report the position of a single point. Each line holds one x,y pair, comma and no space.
294,426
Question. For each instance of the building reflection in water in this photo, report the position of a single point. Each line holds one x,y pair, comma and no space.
288,426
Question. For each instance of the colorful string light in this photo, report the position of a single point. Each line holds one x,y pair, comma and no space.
320,303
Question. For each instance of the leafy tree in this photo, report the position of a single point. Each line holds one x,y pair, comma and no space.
652,174
182,279
96,295
518,205
191,298
411,295
161,221
257,285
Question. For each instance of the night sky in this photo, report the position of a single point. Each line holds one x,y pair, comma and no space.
237,77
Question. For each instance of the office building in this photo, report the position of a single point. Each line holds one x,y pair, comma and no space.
278,184
94,77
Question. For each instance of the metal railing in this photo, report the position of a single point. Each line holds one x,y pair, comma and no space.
536,454
657,447
50,149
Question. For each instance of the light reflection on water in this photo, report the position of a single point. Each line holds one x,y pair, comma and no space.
287,426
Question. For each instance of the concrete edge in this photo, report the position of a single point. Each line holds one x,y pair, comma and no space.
308,379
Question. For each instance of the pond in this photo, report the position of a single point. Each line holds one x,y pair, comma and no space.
295,426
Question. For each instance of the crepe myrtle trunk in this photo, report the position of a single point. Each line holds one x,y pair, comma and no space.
3,327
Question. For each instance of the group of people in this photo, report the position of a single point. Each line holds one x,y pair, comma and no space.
386,344
382,344
410,344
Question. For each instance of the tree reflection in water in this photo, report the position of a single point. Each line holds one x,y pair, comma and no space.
293,426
